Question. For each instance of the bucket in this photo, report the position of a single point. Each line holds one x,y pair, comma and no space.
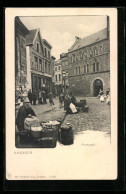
66,135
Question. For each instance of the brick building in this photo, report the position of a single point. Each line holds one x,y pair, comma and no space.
58,76
20,54
89,63
65,73
38,61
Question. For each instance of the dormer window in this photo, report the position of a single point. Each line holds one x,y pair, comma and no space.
37,47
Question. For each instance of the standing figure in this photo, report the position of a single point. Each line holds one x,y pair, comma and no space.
34,97
44,97
67,101
23,113
61,99
40,97
30,96
51,98
101,96
108,98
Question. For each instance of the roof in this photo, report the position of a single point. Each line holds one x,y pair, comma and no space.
30,37
46,43
98,36
22,26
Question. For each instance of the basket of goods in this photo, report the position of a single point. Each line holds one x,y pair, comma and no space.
66,134
47,130
47,142
31,121
55,126
33,125
36,131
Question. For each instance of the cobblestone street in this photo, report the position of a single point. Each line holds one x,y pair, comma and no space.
98,118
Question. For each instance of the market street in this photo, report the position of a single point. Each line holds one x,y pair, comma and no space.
86,126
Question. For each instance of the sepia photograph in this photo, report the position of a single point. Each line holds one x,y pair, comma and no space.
64,79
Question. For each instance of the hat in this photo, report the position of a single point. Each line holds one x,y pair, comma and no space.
26,100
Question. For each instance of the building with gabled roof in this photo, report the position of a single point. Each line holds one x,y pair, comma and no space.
89,63
39,76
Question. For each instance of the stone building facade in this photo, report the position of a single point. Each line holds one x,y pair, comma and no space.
65,69
20,54
58,76
89,64
38,62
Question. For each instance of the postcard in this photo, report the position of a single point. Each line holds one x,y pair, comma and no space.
61,93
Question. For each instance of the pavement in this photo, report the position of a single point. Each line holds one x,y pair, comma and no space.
90,128
46,112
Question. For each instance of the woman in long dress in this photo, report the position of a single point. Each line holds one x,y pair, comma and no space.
101,96
108,99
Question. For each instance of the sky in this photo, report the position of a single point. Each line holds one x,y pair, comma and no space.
60,31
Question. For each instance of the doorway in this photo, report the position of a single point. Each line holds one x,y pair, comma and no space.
97,85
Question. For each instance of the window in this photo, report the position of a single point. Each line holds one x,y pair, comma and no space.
37,47
87,68
81,55
77,57
95,51
76,70
59,77
91,53
40,65
49,68
48,55
56,77
93,67
73,58
45,67
36,63
97,66
85,53
84,68
100,49
45,52
55,68
79,69
58,67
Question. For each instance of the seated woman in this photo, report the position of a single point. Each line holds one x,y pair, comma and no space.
75,102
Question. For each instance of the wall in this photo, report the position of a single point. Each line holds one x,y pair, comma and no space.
81,83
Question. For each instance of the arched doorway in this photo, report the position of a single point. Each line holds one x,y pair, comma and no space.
97,85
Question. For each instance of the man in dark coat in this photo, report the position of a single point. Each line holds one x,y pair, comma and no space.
30,96
51,98
34,97
23,113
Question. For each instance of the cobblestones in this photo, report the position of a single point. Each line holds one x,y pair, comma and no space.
98,118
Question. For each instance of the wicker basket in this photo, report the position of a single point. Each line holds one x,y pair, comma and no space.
36,134
47,142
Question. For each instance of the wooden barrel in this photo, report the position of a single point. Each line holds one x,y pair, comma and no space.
66,135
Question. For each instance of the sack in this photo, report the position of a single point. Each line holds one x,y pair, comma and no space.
31,122
73,108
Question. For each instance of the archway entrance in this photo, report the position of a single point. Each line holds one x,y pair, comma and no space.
97,85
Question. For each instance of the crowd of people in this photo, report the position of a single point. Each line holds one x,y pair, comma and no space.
68,101
41,96
106,96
